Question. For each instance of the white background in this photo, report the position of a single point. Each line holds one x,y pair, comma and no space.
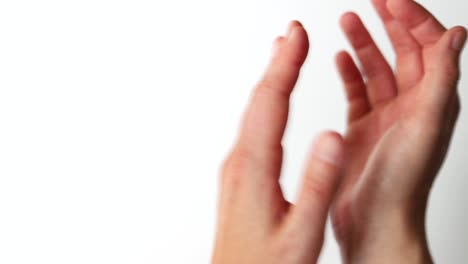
115,116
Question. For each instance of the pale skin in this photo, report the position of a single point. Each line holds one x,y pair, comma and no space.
376,178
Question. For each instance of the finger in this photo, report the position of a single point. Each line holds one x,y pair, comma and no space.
322,174
355,87
277,45
409,70
425,28
265,118
381,81
443,71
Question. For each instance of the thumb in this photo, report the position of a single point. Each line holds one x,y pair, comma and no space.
322,174
443,68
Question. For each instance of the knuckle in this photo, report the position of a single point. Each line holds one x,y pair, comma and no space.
452,71
264,88
235,167
270,88
286,247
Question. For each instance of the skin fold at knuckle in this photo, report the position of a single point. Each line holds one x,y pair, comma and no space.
235,167
272,89
318,182
451,73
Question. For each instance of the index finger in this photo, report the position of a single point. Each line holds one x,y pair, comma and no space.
266,116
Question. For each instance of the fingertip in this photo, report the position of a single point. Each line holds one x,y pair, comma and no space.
341,57
292,25
452,40
349,19
458,37
298,45
347,68
342,53
341,60
296,33
460,28
328,147
443,70
296,23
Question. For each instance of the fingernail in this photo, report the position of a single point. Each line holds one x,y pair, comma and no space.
328,147
459,40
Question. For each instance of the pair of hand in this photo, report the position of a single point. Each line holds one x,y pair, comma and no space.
375,180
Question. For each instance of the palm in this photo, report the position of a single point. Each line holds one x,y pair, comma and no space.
362,137
364,134
383,101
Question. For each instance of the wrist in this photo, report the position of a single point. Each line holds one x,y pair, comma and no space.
390,238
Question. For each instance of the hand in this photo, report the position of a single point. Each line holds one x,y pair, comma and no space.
255,223
399,128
